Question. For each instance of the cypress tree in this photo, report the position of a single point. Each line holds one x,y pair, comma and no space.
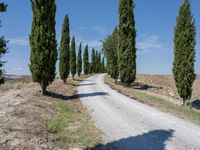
3,46
64,65
99,63
93,63
184,52
86,61
96,62
103,66
110,49
43,43
79,63
90,68
73,58
127,37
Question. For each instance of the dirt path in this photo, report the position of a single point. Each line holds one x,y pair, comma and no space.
130,125
23,118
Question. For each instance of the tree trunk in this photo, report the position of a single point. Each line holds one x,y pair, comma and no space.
65,81
43,87
115,81
126,85
184,102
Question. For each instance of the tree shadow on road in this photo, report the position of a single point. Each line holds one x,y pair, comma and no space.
75,96
81,84
153,140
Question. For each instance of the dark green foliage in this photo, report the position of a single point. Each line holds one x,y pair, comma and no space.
99,63
90,68
43,43
3,7
73,57
127,43
64,65
184,52
103,66
93,63
96,65
96,62
110,49
3,47
79,63
86,61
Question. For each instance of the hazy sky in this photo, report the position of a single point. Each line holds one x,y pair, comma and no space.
93,20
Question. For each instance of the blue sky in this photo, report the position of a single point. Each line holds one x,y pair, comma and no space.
93,20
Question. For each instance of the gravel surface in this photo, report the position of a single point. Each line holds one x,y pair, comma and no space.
130,125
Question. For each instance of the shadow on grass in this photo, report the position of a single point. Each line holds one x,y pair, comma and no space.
153,140
75,96
80,80
196,104
142,86
81,84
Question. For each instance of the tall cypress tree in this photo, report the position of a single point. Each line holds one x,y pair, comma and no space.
184,52
79,63
86,61
64,65
103,66
3,46
93,63
43,43
96,61
99,62
73,58
127,43
110,50
90,68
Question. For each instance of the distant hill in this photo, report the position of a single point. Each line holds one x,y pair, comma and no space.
14,77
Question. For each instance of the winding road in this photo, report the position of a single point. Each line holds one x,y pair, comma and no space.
130,125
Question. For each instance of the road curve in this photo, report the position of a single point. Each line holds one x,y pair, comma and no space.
130,125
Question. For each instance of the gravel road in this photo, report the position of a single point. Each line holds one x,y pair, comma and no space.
130,125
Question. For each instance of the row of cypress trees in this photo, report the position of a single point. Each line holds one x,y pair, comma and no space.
3,47
97,65
120,51
121,59
44,48
68,60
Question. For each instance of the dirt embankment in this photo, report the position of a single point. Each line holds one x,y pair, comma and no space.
165,85
24,114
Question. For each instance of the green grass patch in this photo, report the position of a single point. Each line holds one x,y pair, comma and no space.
73,125
187,113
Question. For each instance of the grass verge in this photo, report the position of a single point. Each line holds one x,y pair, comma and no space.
73,124
186,113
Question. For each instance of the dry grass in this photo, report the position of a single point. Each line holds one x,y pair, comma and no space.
165,85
